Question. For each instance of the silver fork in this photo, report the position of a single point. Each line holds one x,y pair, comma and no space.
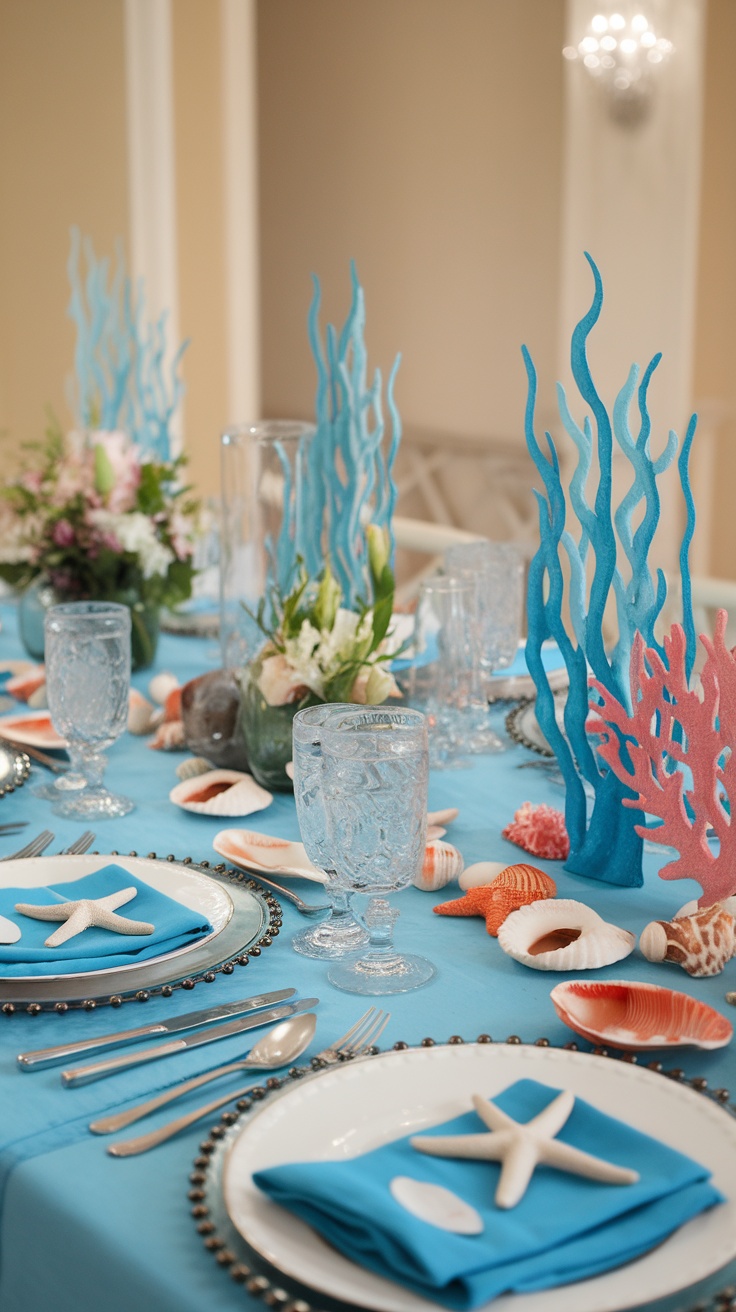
361,1036
80,845
36,846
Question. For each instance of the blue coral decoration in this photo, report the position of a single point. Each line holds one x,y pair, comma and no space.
121,378
606,558
350,481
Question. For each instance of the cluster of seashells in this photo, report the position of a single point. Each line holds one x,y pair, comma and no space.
161,716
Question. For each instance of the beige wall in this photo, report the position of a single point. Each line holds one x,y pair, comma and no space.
422,139
715,351
62,162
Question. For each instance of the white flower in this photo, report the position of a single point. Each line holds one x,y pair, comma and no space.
136,533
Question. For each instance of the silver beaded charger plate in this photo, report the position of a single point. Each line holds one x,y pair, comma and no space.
523,728
240,916
15,768
354,1107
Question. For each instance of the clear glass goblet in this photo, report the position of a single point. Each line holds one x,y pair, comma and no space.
87,683
340,932
499,567
375,772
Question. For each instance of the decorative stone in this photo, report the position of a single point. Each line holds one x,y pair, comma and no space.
210,707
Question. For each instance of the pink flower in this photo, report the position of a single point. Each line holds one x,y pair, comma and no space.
125,460
279,682
32,480
63,533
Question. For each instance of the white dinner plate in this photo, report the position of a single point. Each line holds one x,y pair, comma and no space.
32,729
360,1105
196,891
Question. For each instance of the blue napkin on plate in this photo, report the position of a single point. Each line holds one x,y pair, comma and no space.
566,1228
95,949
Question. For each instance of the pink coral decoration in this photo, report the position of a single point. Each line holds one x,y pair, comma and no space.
539,830
678,758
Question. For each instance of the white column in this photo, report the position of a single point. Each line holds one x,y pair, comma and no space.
240,156
630,198
151,163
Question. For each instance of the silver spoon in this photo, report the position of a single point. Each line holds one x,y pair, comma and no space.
277,1048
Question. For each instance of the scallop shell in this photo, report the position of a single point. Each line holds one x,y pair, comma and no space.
22,686
701,943
626,1014
33,728
221,792
161,685
442,862
274,856
142,716
481,872
193,766
563,935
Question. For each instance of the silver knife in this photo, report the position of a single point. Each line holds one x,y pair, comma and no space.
43,1057
86,1074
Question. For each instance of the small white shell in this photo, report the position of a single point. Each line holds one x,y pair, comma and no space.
692,908
563,935
161,685
445,817
436,1205
193,766
38,699
481,872
442,862
221,792
142,716
435,831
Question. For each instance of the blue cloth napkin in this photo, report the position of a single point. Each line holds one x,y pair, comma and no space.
95,949
566,1228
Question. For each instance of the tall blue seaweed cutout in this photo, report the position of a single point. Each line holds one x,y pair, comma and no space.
603,844
350,480
121,377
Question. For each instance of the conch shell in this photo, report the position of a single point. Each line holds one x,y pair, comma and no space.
442,862
563,935
514,887
701,943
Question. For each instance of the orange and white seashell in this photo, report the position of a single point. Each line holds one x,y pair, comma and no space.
169,737
539,830
563,935
701,943
480,873
442,863
22,686
255,851
514,887
33,728
221,792
161,685
142,715
627,1014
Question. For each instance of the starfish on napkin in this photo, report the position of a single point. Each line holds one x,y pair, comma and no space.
84,914
522,1147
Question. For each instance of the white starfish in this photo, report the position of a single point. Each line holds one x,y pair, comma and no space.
85,913
521,1148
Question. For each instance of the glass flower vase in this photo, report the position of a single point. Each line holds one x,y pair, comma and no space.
268,734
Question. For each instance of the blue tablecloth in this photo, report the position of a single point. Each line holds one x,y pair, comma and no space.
118,1233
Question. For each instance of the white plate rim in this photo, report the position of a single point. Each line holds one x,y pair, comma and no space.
156,873
680,1262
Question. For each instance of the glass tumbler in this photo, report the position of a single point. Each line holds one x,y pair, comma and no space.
375,773
499,568
340,932
87,683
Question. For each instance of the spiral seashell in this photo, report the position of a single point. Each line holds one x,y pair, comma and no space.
442,862
627,1014
193,766
563,935
701,943
480,873
221,792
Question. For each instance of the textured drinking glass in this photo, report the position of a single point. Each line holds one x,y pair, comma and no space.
340,932
87,684
499,567
375,772
446,678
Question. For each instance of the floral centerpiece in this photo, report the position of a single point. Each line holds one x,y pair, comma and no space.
316,650
93,517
